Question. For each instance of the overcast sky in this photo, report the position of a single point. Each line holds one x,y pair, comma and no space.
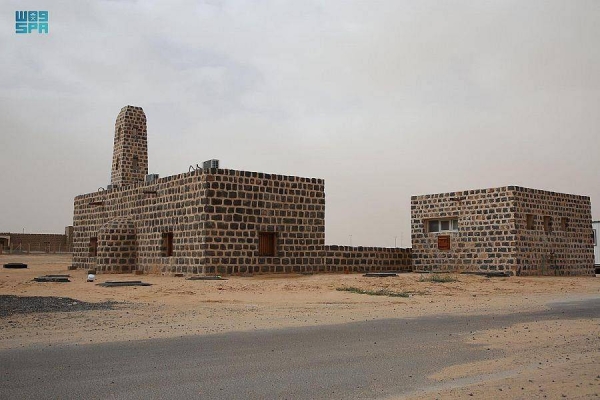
382,99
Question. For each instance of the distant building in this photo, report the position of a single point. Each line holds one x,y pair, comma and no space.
515,229
208,220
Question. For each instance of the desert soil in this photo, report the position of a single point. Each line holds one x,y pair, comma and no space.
544,359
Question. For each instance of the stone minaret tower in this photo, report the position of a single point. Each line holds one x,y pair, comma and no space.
130,151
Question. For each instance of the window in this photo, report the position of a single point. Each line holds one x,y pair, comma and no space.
564,223
547,224
595,237
445,225
267,243
530,222
434,226
167,244
93,246
442,225
135,163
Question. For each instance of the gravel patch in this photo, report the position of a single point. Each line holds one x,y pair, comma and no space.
10,305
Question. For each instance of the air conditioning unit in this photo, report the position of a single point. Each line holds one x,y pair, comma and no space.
210,164
151,178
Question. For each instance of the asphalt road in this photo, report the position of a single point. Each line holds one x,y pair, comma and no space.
372,359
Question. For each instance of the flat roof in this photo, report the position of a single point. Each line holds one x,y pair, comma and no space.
206,171
507,187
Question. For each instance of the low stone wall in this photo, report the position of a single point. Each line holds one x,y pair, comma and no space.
34,243
366,259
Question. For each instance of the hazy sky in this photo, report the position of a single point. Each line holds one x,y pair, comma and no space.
382,99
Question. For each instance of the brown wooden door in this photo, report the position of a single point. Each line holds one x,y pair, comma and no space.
267,244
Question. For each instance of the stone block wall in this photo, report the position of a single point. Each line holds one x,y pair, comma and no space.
596,240
172,204
485,238
561,246
215,217
491,236
117,246
242,204
365,259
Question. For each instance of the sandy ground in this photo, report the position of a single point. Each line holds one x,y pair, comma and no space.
542,360
549,359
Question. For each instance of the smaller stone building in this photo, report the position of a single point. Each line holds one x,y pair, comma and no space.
514,229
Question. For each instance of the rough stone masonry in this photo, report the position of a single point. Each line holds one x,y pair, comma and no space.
209,220
513,229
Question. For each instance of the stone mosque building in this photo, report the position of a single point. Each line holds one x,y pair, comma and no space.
221,221
208,220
